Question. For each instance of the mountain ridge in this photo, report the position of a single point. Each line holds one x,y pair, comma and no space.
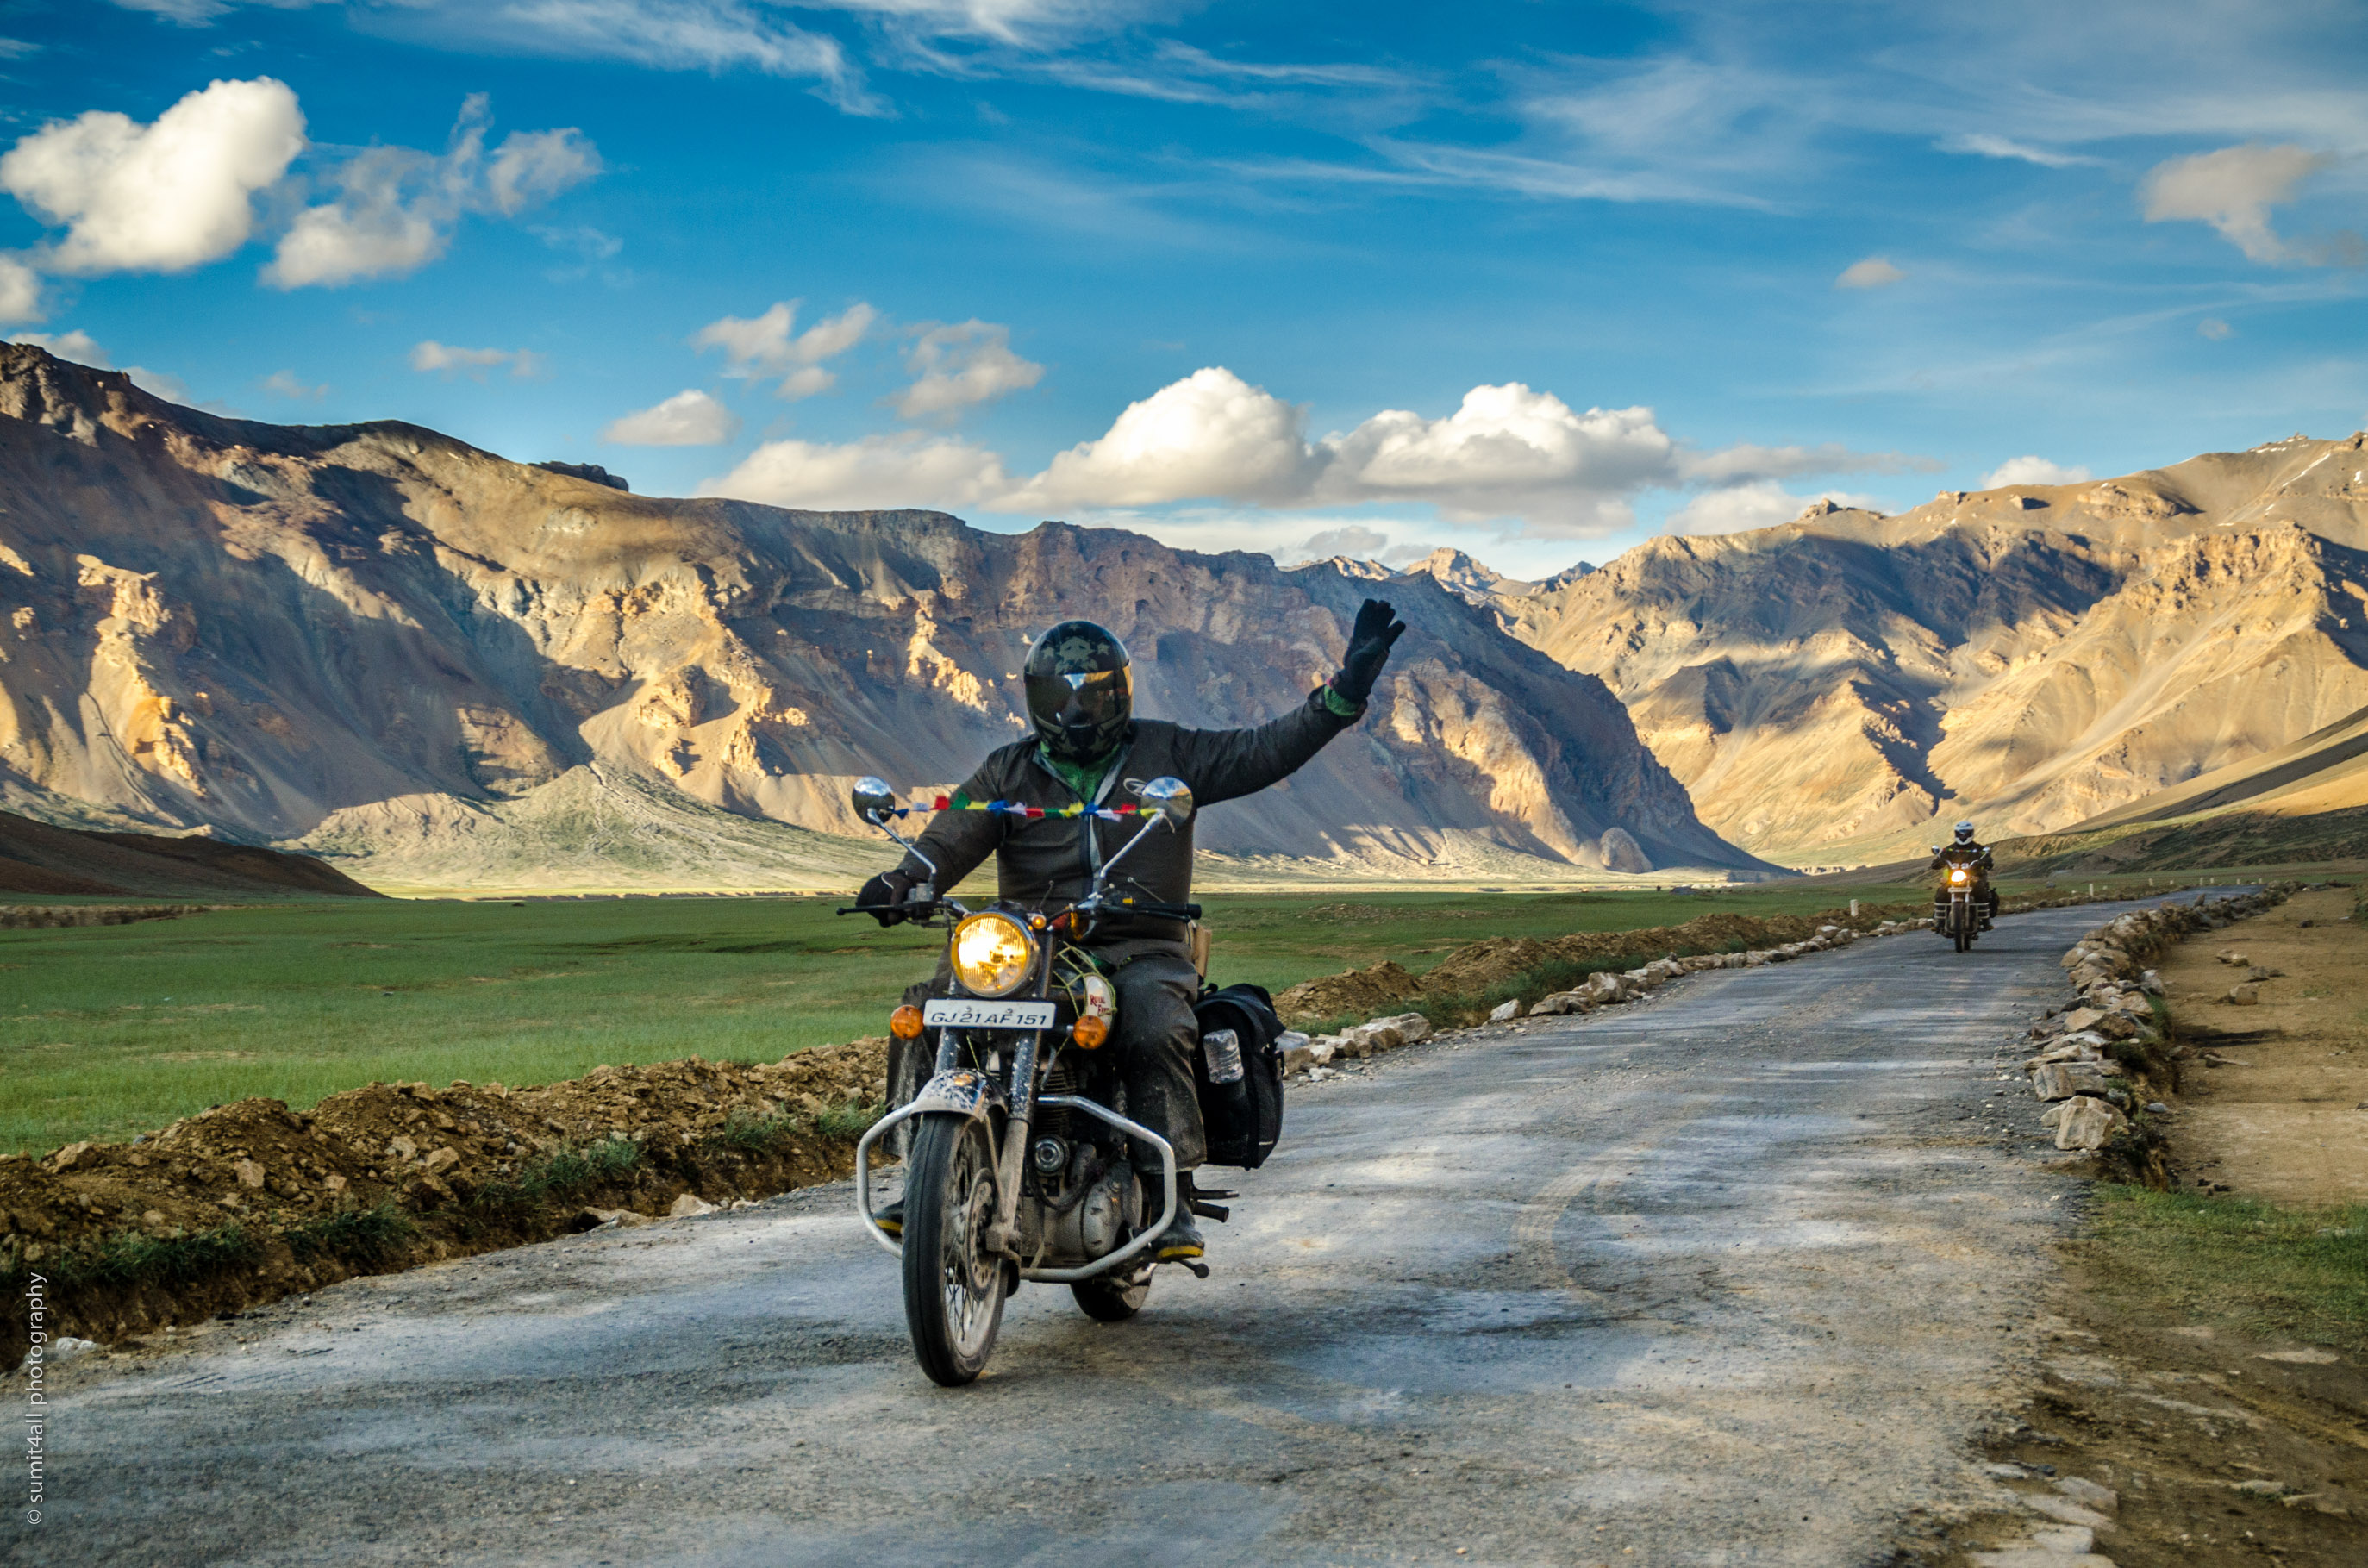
259,628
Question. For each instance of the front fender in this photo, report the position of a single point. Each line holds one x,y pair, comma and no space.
962,1092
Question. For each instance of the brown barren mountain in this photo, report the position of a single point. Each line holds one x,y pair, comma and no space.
1840,688
390,644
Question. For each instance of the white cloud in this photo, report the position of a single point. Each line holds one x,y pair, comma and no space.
2031,471
1209,435
429,356
966,363
760,346
77,346
2215,329
287,383
1763,504
159,197
690,418
2233,190
1508,452
396,206
877,472
668,35
1356,541
1874,272
1747,461
20,291
1505,451
1984,144
171,388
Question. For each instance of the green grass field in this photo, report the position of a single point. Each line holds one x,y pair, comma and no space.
2267,1270
108,1031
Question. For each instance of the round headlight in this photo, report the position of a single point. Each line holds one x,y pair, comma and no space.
1956,876
992,954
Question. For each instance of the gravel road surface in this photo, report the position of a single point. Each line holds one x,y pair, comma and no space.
1726,1278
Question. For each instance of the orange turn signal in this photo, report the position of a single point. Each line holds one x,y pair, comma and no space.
1089,1031
905,1023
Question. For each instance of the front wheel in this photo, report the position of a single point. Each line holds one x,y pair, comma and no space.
953,1287
1106,1300
1964,936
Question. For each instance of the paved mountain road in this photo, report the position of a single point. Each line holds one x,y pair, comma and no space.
1726,1278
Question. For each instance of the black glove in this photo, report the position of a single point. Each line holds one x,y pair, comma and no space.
888,887
1369,649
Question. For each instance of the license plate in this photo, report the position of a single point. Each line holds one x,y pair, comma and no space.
968,1012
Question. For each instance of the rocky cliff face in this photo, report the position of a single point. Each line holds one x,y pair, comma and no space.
1832,689
372,628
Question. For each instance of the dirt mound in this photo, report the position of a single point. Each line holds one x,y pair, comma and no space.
1502,964
252,1200
1475,967
1363,991
38,858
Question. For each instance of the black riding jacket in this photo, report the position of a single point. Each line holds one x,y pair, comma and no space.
1975,857
1052,861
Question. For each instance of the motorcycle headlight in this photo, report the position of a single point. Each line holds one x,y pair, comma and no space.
992,954
1956,876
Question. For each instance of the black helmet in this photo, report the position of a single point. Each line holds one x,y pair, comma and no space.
1080,692
1964,833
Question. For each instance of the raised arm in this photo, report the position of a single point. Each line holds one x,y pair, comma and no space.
1225,764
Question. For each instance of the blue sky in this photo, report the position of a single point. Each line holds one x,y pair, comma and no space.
1535,280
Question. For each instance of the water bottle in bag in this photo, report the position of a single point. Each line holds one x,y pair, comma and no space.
1223,1049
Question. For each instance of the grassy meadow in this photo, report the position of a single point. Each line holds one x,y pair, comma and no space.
108,1031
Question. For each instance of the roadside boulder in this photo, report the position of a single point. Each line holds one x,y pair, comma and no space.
2087,1123
2244,995
1560,1003
1505,1012
2062,1080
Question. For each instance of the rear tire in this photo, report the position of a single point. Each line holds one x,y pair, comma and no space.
1106,1300
953,1288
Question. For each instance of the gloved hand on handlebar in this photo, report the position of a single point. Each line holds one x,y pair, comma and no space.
1369,649
888,887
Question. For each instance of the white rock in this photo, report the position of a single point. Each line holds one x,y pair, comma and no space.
2064,1510
2301,1357
66,1347
1603,987
1560,1003
690,1203
1413,1026
1505,1012
2088,1495
2085,1124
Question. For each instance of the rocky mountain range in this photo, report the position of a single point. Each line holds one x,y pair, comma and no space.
1841,687
382,643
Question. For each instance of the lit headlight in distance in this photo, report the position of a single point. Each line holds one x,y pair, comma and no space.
992,954
1956,876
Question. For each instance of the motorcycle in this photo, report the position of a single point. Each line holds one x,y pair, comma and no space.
1961,920
1017,1163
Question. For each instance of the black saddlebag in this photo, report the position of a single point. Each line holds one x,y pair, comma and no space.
1244,1118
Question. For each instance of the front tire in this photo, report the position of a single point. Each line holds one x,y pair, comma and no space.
1106,1300
953,1287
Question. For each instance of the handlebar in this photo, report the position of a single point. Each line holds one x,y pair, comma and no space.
1157,911
891,908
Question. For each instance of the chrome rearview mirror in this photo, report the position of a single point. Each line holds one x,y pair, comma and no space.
1171,798
874,800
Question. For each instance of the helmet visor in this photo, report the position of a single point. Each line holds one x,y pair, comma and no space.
1088,700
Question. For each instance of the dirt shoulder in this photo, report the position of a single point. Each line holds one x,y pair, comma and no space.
2273,1106
250,1201
2204,1394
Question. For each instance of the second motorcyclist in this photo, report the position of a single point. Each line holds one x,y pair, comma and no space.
1965,854
1087,746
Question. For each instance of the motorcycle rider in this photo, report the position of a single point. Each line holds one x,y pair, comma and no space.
1087,746
1974,857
